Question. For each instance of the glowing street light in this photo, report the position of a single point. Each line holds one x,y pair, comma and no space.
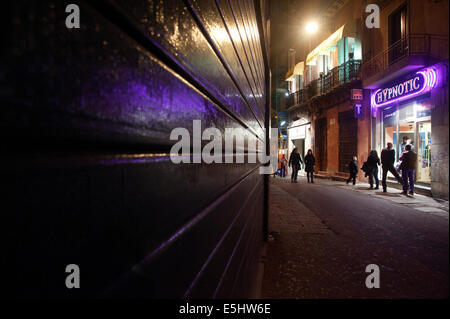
311,27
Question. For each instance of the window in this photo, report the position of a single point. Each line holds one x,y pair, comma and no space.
398,26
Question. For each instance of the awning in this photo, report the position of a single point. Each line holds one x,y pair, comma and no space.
322,48
296,70
349,29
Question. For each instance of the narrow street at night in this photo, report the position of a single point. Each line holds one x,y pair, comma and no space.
225,158
325,234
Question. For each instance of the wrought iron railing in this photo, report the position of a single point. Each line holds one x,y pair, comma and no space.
415,44
340,75
296,98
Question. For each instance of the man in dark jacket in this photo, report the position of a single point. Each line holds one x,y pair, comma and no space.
373,161
387,163
294,161
408,167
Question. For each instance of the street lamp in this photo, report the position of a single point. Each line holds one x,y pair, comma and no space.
311,27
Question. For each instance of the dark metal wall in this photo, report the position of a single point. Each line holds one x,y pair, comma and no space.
86,119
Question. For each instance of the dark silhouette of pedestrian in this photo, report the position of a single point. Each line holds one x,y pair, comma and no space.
387,163
295,161
283,165
408,167
373,161
310,161
353,169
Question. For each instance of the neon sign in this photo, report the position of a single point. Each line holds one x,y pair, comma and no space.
358,110
419,83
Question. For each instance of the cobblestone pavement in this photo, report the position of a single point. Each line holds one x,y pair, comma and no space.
323,236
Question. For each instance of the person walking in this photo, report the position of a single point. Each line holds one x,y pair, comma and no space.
387,163
408,167
353,168
295,161
283,166
310,161
373,161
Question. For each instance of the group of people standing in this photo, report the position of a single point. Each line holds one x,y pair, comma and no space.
295,162
408,165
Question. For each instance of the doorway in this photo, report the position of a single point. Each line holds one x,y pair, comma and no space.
300,145
321,143
424,151
410,124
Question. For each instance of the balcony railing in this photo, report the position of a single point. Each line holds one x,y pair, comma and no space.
418,44
338,76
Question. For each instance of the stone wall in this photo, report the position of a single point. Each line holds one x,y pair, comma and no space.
439,133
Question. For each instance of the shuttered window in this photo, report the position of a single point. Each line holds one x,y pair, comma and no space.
321,143
348,128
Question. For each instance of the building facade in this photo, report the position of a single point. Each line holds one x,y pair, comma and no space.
326,111
363,87
406,72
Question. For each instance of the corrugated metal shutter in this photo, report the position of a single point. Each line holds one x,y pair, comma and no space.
321,143
92,182
348,128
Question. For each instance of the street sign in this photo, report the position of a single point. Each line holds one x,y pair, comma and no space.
357,107
357,94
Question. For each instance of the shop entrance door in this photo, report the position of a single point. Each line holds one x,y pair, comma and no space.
410,124
423,152
300,145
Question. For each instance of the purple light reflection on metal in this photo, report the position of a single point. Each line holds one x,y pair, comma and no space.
429,81
136,159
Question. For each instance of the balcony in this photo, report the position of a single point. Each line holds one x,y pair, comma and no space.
336,77
409,53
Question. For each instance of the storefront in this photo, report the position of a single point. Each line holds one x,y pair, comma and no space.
402,110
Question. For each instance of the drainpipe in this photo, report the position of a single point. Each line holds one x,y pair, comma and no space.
267,116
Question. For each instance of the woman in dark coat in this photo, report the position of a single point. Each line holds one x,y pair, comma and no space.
294,161
310,161
373,161
353,169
